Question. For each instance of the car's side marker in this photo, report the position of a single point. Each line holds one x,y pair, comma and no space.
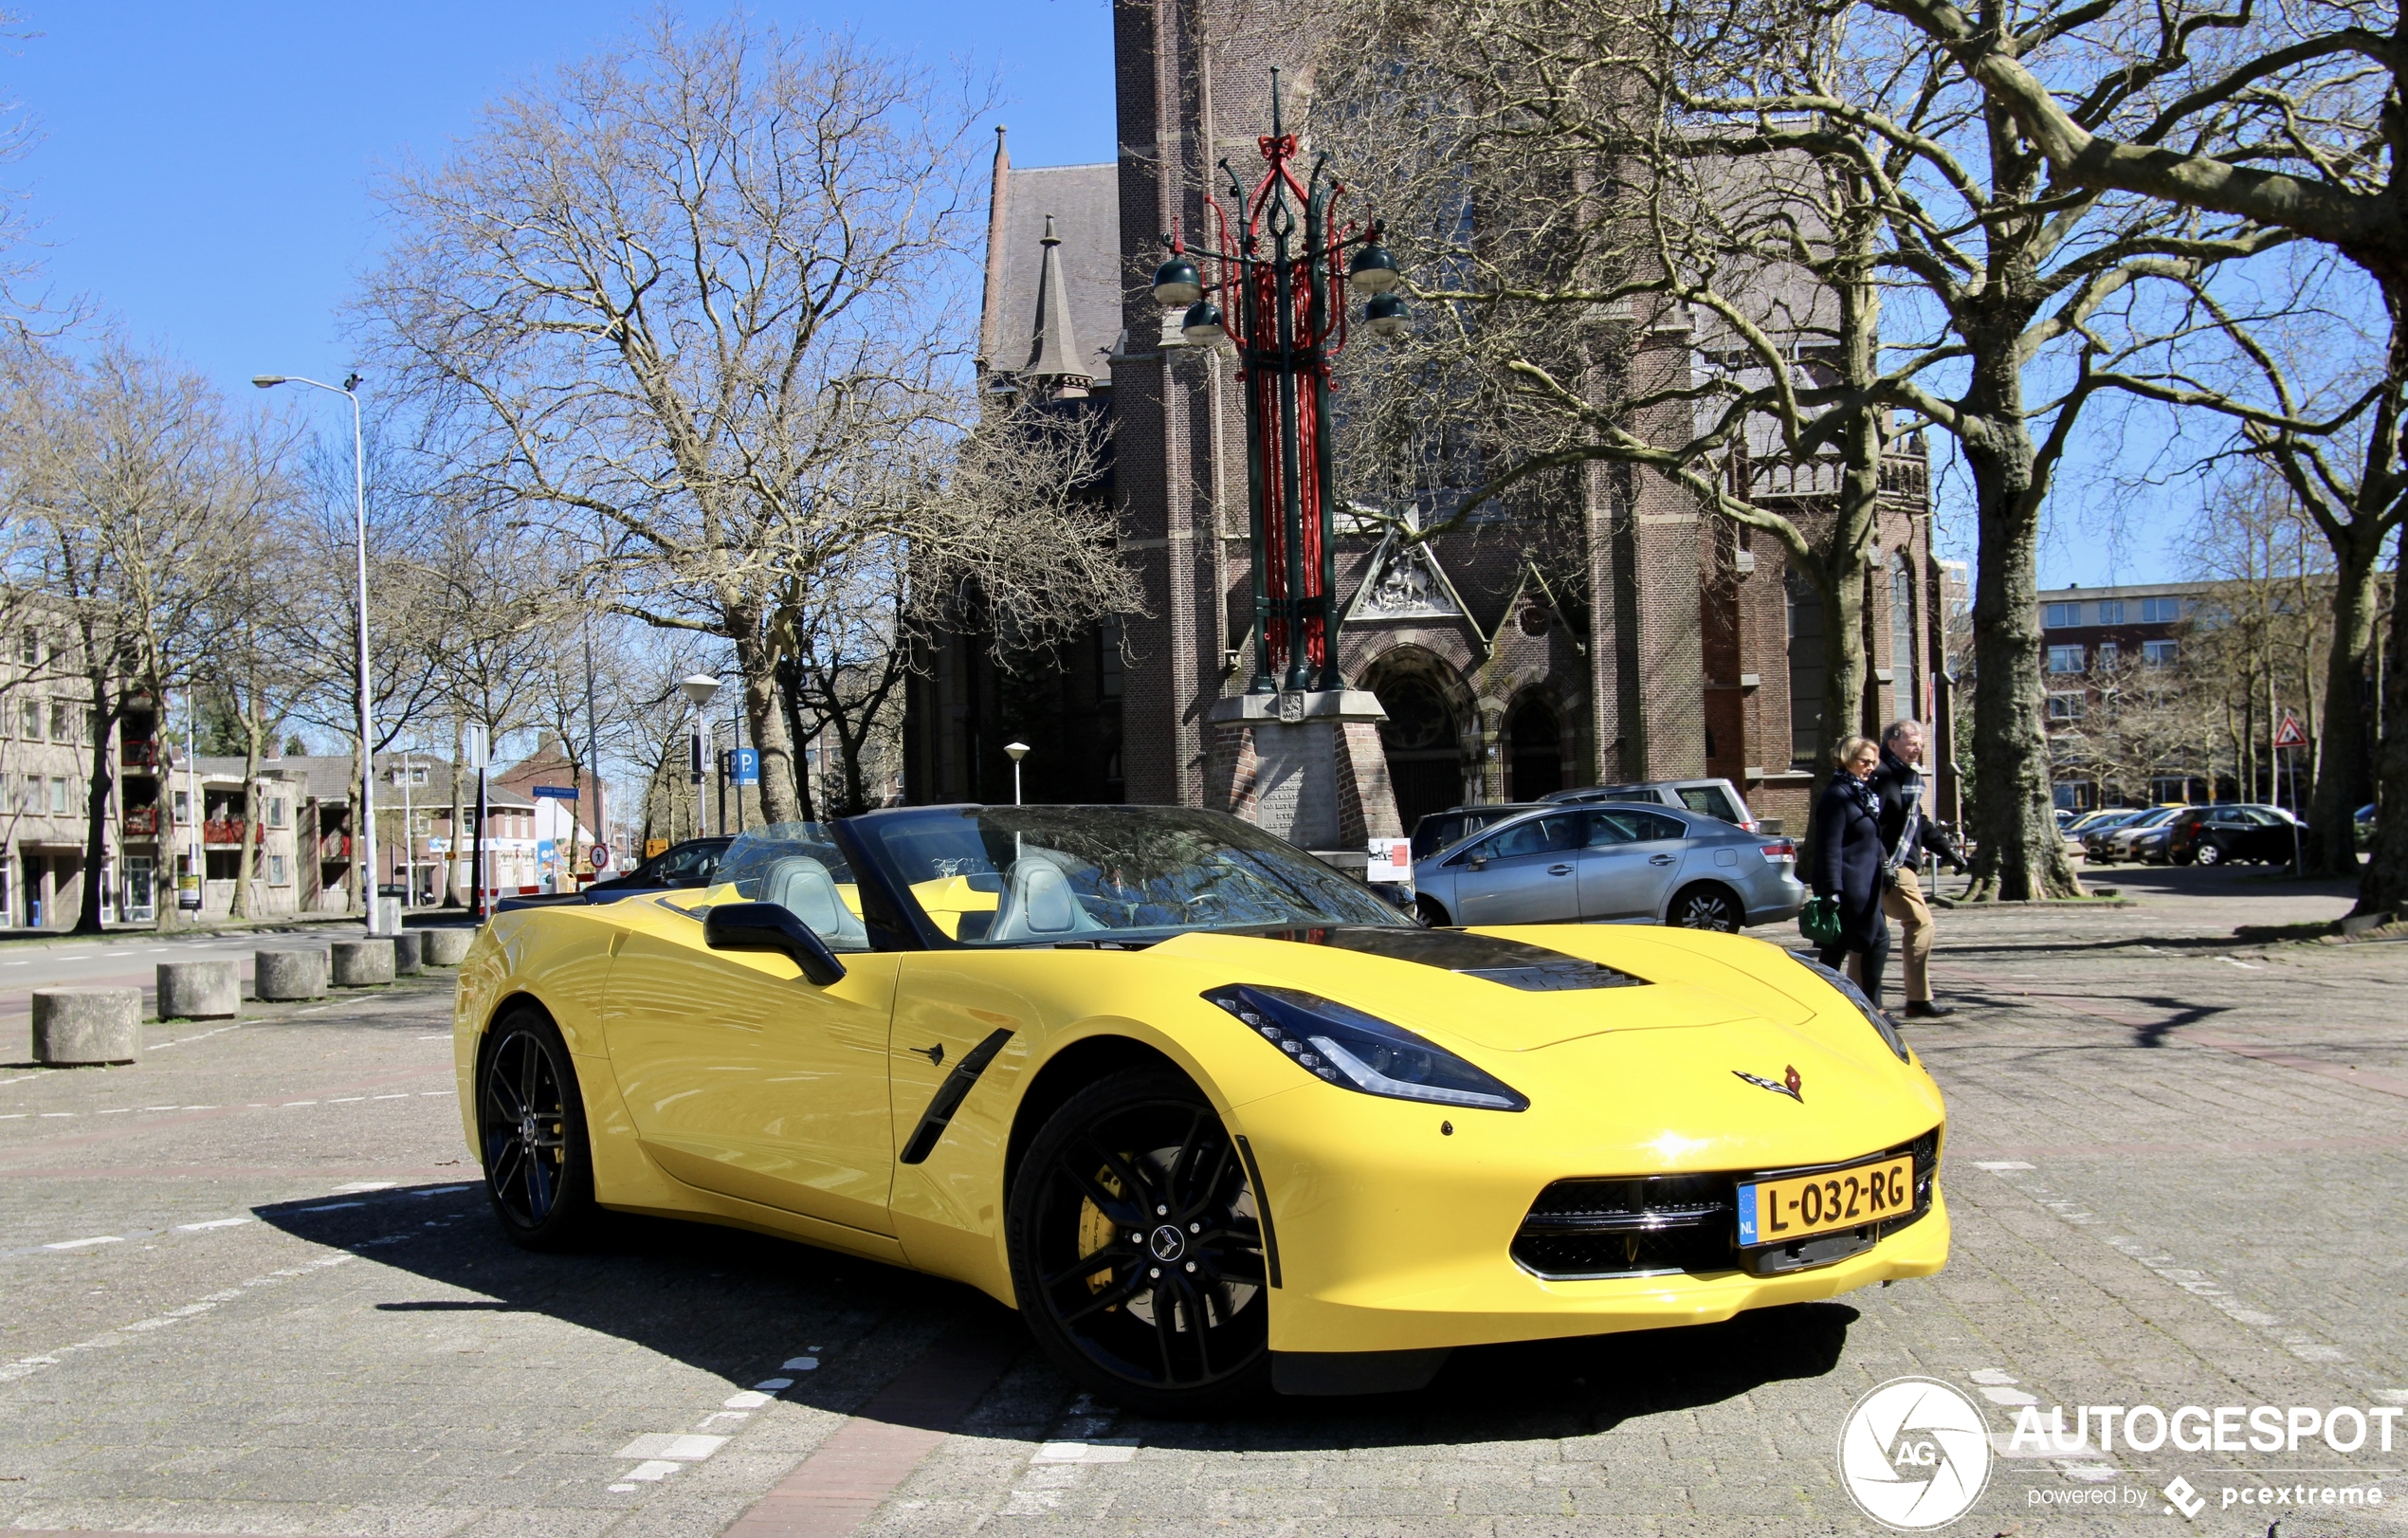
949,1097
1262,1210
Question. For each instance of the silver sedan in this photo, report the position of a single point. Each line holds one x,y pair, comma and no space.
1618,863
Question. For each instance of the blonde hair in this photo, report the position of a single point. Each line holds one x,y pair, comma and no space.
1848,748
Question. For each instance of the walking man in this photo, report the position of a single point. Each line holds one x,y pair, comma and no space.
1904,836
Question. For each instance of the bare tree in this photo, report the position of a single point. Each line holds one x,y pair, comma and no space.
695,296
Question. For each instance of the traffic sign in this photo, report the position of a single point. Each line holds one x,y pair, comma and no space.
601,856
2291,734
552,792
748,767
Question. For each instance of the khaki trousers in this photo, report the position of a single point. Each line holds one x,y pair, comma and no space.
1905,902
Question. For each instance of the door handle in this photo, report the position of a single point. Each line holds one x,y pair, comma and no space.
1660,859
1559,869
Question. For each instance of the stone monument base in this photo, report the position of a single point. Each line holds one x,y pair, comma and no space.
1306,766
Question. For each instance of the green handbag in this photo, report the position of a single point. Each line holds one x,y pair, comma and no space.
1818,920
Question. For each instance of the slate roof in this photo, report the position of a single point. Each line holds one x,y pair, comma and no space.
1084,202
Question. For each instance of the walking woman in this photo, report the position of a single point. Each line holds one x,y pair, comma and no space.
1848,863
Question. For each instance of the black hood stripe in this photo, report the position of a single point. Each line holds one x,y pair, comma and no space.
1513,963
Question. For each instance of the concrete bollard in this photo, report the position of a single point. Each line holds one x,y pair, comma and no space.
289,974
363,964
199,990
73,1026
409,952
447,947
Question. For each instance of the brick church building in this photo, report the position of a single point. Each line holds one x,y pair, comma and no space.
1696,652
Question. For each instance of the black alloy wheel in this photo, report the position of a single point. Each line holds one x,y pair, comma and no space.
1136,1251
2208,852
539,1170
1706,905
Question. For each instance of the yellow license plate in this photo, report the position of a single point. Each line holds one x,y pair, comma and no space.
1801,1206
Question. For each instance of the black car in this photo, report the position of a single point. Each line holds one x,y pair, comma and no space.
1436,830
2219,835
689,864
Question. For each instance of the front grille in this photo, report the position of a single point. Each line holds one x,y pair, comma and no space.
1652,1225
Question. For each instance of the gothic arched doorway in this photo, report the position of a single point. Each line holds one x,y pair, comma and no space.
1537,743
1420,741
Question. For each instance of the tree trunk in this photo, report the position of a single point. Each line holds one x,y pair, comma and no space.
756,662
2342,786
2383,886
242,908
2020,855
790,692
96,837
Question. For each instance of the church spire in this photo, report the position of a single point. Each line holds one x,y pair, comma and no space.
1053,349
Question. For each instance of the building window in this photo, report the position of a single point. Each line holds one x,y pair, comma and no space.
2111,611
277,874
2159,653
1107,659
2161,611
29,716
62,722
1901,640
2062,616
32,801
183,806
2065,707
2065,659
29,649
276,812
1805,606
59,803
2107,656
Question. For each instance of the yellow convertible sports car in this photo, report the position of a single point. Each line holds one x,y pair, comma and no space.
1210,1114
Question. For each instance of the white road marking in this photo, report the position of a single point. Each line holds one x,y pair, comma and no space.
443,1036
621,1489
345,1100
1104,1450
1992,1377
121,1111
214,1222
297,1103
677,1447
158,1108
389,1097
739,1416
1994,1166
2243,965
770,1385
357,1187
25,1366
803,1363
15,1116
752,1399
80,1244
652,1470
334,1207
49,1115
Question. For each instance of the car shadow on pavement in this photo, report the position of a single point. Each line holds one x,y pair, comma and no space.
739,1304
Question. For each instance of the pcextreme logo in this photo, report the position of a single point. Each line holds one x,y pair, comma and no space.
1915,1453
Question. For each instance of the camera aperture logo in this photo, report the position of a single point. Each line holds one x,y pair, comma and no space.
1915,1453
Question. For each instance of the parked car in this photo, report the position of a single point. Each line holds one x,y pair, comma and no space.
691,863
2364,825
1438,829
2148,845
1643,864
1710,797
2116,843
2103,817
2214,834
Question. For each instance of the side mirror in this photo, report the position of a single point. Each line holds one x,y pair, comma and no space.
769,926
1480,862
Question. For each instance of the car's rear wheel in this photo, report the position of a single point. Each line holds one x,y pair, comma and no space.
1430,913
1136,1251
538,1167
2207,854
1706,905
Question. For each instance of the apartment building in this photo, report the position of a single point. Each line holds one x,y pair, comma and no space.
46,729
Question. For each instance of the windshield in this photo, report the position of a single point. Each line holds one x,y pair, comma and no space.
1101,874
798,866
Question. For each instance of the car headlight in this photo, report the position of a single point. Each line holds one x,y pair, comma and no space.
1856,996
1354,1051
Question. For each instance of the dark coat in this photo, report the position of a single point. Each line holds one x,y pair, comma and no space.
1900,784
1848,861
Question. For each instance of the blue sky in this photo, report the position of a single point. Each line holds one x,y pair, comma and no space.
202,170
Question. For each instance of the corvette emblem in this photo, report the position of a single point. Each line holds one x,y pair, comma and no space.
1790,1084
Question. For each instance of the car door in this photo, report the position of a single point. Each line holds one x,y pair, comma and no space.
744,1079
1524,873
2268,837
1630,859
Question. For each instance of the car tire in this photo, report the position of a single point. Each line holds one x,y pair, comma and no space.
1431,912
538,1164
1706,904
2207,854
1136,1174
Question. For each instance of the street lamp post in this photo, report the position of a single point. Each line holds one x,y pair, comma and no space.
1284,282
366,840
1016,752
699,690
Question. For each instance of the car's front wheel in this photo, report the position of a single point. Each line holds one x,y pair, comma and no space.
1137,1250
539,1169
1706,905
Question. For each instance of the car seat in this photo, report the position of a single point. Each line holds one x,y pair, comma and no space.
1039,902
802,886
